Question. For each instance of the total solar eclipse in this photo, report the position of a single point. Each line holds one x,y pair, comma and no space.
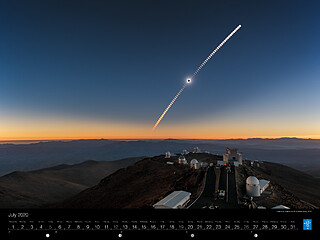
194,74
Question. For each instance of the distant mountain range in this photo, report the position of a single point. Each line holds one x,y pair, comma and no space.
302,154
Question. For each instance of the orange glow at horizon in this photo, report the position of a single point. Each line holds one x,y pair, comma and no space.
155,138
110,132
62,128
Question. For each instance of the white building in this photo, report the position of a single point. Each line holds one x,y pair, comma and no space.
263,184
168,155
232,155
176,199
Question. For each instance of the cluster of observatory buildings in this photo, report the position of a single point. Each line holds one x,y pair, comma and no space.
232,157
194,163
179,199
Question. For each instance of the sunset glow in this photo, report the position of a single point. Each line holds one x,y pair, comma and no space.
47,129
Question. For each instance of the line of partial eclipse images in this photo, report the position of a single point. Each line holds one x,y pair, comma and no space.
189,80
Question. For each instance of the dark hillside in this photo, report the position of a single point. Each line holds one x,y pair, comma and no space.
289,186
142,185
51,185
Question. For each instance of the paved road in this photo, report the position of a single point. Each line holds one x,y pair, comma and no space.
232,191
218,178
207,195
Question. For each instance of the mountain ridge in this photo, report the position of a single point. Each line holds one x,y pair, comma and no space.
47,186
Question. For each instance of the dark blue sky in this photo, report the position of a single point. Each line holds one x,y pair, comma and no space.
124,61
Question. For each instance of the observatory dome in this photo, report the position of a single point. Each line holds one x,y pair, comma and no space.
252,180
182,160
194,161
194,164
253,187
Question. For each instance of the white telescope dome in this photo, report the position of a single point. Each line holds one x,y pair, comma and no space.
252,180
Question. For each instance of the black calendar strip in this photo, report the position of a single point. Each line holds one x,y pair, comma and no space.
101,226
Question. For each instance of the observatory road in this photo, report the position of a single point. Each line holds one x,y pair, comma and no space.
207,196
218,178
232,191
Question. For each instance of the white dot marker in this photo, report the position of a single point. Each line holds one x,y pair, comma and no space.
255,235
192,235
47,235
119,235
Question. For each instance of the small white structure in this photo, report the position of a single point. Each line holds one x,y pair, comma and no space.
261,207
232,155
196,150
252,187
182,160
168,155
184,152
193,162
280,207
176,199
170,163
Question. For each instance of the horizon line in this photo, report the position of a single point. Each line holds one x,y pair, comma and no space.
73,139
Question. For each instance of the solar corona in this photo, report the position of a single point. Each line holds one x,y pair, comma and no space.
189,80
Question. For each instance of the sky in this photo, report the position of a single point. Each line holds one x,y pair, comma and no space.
108,69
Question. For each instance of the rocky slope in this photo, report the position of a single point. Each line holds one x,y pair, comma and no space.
51,185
